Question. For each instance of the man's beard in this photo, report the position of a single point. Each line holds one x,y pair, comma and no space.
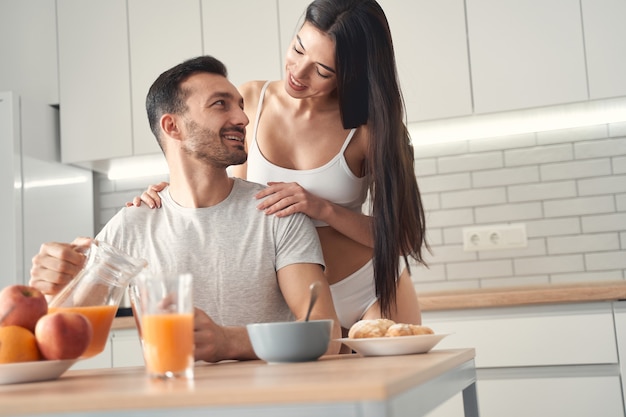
207,146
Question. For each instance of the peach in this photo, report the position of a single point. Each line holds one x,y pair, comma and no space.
21,305
63,335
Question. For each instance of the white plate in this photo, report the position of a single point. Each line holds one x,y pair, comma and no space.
15,373
388,346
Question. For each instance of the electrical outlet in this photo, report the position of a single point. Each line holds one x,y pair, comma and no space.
494,237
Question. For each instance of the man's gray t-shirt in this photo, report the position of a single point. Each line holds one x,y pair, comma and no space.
232,249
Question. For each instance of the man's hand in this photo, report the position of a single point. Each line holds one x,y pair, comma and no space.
56,264
214,343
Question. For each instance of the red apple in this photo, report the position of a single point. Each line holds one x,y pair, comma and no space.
63,335
21,305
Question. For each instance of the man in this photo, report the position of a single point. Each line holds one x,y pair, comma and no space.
247,267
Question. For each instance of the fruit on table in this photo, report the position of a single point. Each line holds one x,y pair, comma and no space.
18,344
63,335
21,305
100,317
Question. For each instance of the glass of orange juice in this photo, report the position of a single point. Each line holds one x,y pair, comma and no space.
165,319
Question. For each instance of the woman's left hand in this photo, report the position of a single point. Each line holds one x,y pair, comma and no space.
286,198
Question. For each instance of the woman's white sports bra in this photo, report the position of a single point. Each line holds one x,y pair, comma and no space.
332,181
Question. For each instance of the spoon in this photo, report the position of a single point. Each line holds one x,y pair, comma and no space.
314,290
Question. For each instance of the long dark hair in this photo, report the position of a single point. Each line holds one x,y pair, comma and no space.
368,91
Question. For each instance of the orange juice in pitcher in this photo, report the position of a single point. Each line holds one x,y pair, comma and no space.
97,289
101,318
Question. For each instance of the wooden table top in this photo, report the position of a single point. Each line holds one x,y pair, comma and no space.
523,295
332,378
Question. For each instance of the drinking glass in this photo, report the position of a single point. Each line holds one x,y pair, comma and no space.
164,313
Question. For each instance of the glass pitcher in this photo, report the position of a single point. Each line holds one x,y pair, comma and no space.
97,290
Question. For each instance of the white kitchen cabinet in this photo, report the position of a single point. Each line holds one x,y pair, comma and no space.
431,55
162,33
243,34
547,360
30,70
102,360
620,330
28,49
554,396
110,52
94,80
126,348
605,47
525,54
122,349
537,336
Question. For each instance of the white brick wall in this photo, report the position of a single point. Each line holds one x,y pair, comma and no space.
568,187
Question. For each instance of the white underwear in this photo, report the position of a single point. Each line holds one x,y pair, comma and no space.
354,295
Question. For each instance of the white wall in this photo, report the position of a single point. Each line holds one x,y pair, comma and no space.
567,186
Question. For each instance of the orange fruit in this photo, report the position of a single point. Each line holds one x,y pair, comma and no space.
18,344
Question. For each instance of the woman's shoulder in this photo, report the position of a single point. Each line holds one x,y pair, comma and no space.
250,87
251,92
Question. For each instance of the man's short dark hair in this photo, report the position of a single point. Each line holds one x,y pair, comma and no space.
165,94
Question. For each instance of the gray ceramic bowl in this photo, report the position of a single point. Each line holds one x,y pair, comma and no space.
296,341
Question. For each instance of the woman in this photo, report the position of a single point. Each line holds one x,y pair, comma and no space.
322,137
